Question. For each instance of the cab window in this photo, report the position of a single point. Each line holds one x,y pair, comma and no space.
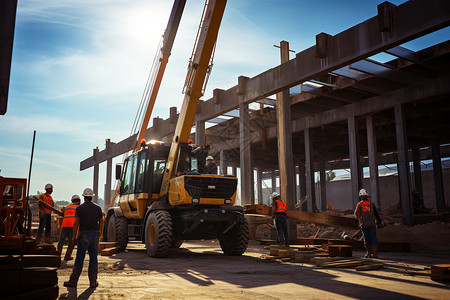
130,174
142,166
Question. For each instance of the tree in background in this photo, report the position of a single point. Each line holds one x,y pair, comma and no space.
330,176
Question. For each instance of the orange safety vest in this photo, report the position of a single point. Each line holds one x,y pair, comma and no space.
69,215
47,198
281,206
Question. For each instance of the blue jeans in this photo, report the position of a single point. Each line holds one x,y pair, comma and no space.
282,229
45,220
87,241
370,235
66,232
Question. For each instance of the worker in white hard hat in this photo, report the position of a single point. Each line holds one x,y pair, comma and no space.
211,166
45,215
87,229
279,211
367,214
67,227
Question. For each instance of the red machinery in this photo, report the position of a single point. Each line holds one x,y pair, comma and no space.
12,212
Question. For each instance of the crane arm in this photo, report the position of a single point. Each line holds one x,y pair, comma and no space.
168,39
199,66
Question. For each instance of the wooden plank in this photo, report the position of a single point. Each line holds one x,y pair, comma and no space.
45,205
369,267
343,264
110,251
323,219
104,245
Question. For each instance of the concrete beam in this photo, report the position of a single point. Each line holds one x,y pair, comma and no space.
411,20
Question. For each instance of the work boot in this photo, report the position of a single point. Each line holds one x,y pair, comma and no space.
68,255
374,251
38,238
93,283
73,278
59,250
369,251
48,239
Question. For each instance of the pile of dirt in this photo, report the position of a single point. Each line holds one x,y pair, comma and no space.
430,236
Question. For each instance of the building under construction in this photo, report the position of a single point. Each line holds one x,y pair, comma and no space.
333,106
339,108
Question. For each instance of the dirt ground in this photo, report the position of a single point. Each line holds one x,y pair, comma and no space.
199,270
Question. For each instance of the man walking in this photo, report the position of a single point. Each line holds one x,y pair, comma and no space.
366,213
45,215
279,211
87,229
67,227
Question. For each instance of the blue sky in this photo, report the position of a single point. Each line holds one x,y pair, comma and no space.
79,68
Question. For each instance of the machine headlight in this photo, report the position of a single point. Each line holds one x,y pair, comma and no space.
195,201
227,201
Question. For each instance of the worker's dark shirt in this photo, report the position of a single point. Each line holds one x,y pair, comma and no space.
211,168
90,215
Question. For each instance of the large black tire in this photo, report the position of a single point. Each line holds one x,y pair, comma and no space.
158,233
117,231
235,241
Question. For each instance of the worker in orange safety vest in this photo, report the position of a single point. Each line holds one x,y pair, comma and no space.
369,219
45,215
279,211
67,227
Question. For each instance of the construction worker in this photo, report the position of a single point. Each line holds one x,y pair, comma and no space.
45,215
67,227
368,217
87,229
211,166
279,211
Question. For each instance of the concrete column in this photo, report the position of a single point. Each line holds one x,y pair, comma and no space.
259,184
373,164
245,156
107,194
284,128
403,164
274,181
200,133
234,171
95,179
355,165
302,183
223,164
323,187
437,173
309,170
417,174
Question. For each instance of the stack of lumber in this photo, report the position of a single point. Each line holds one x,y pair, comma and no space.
36,279
46,249
108,248
318,256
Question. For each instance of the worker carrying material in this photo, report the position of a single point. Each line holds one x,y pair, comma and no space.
45,215
67,227
279,211
367,214
87,229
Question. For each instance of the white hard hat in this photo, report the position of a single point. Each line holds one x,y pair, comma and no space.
75,197
275,195
48,186
363,192
88,192
210,158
